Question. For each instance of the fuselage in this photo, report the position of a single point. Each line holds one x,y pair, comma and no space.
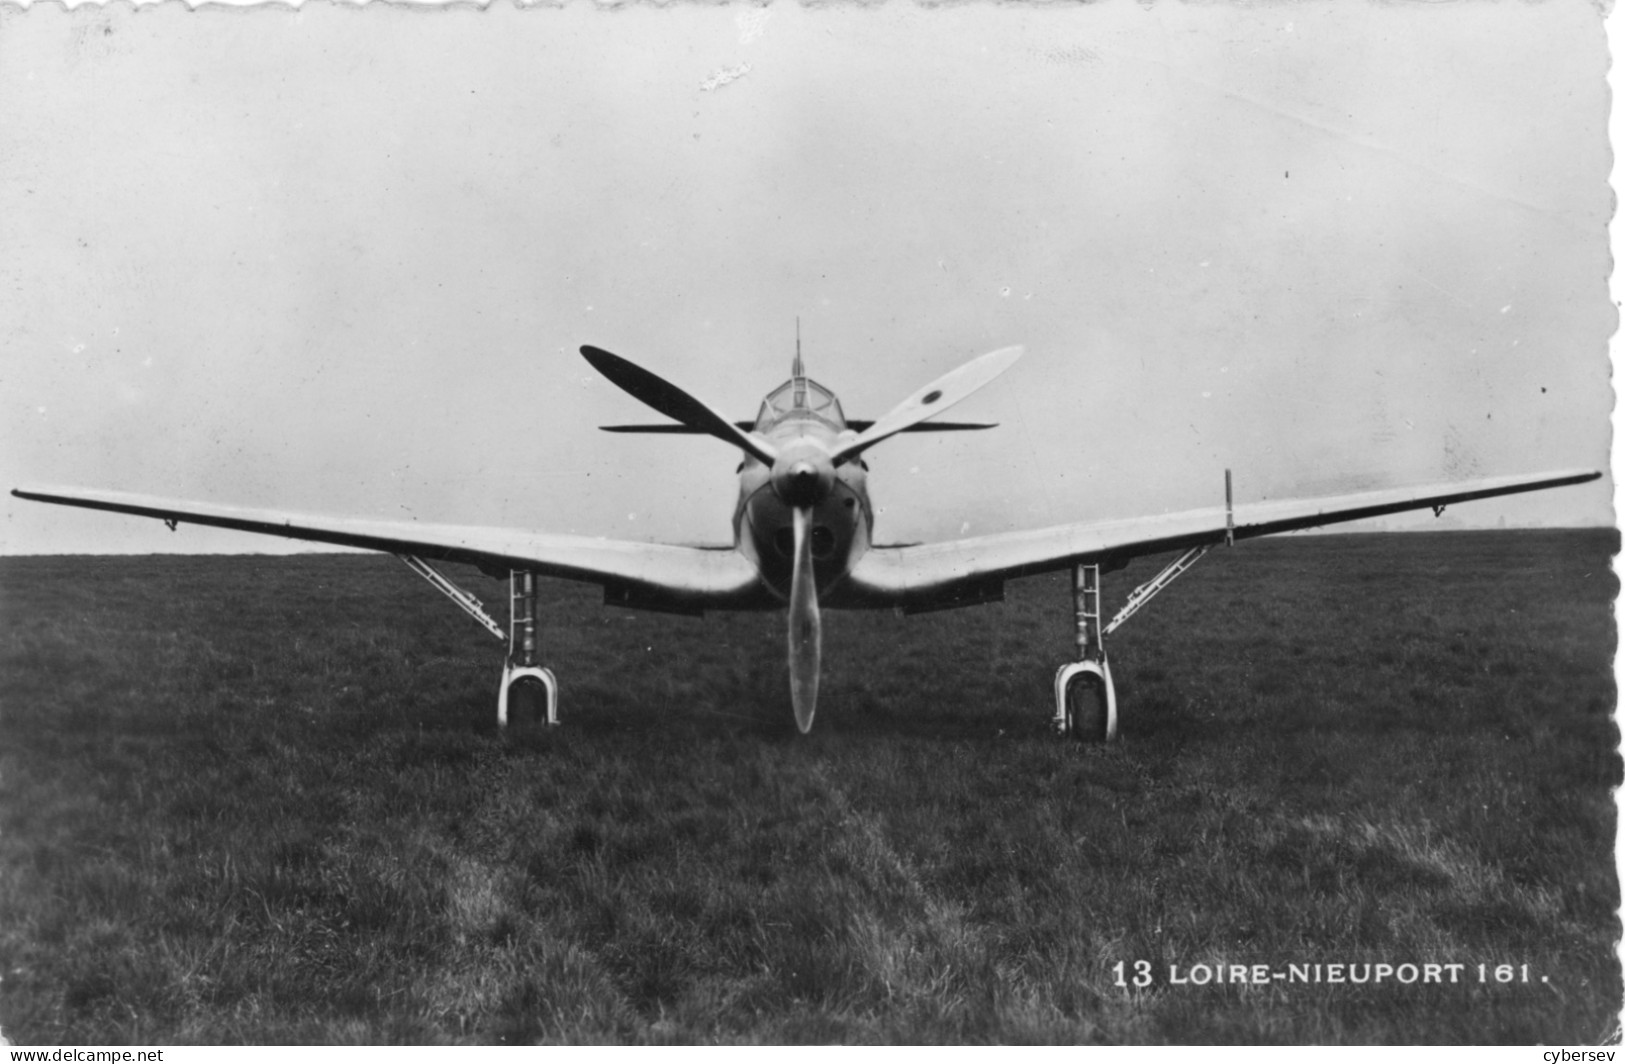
804,423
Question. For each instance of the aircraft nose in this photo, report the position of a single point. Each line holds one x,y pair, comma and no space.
802,480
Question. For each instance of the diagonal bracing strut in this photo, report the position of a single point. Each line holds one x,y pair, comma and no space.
469,604
1148,590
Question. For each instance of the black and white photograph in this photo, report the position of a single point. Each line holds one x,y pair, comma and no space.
807,523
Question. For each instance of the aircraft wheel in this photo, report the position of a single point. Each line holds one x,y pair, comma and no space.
1087,702
1086,708
527,703
530,698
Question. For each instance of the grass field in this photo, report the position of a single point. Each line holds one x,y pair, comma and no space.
263,800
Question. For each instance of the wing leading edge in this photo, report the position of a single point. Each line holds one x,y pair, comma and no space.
655,575
931,574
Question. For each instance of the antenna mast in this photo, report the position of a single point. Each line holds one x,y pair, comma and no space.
797,371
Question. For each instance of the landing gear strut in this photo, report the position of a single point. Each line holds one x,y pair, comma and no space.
527,685
1085,700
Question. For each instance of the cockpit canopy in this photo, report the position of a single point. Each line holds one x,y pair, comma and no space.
801,395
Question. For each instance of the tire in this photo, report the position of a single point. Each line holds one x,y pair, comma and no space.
527,704
1086,710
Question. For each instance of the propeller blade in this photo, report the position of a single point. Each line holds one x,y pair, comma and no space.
668,399
931,400
806,632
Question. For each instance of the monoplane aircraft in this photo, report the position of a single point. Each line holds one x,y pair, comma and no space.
802,537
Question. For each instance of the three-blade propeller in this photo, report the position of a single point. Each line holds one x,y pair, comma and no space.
796,482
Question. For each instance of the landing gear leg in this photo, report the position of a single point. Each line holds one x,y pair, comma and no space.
528,688
1085,700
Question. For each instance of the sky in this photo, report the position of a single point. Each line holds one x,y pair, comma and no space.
340,260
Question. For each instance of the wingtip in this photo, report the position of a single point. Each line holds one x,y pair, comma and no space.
1569,477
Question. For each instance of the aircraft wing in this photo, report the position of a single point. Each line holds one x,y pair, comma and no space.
675,428
650,575
969,570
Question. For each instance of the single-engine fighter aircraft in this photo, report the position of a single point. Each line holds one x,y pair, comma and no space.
802,530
